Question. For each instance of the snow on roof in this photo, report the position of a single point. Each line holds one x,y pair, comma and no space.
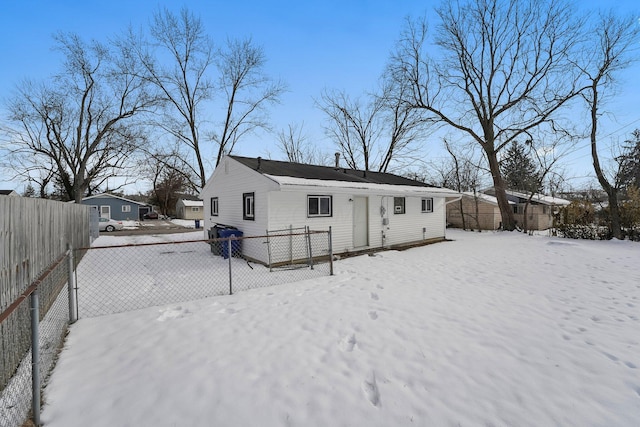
192,203
484,197
101,195
292,182
541,198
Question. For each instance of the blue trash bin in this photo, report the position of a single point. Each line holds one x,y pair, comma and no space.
236,245
197,223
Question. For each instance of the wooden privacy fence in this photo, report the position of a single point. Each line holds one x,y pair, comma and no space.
34,234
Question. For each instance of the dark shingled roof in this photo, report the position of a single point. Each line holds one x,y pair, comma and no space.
326,173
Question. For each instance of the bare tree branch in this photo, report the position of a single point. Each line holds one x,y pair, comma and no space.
505,69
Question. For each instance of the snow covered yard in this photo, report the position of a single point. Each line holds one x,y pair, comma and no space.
492,329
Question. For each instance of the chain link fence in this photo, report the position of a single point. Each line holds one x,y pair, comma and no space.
123,278
116,279
40,315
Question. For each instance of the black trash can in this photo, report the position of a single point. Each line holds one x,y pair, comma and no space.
213,234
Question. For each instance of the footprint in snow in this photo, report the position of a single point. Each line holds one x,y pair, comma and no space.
379,286
373,315
172,313
370,389
374,296
348,342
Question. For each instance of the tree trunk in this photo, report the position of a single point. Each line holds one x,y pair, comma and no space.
508,222
612,192
614,213
464,227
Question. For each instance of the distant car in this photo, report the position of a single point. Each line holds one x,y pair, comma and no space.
150,215
107,224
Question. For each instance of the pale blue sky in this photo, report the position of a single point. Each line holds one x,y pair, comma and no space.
310,45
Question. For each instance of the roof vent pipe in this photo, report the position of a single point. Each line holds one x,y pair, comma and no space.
259,161
337,160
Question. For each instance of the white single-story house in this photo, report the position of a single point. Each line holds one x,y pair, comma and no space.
189,209
365,210
12,193
116,207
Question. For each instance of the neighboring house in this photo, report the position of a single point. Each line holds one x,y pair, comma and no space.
9,193
190,209
364,210
116,207
540,212
480,212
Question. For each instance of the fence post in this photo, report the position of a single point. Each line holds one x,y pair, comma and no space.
35,356
308,230
71,285
330,253
230,254
269,251
291,243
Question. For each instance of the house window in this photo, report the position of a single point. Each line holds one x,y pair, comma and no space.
195,209
319,206
398,205
515,209
248,208
126,208
214,206
427,204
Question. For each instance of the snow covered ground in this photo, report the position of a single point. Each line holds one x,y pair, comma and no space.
492,329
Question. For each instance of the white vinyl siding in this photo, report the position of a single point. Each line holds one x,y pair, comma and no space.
228,183
409,227
278,208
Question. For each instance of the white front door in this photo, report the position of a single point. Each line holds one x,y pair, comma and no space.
105,212
360,222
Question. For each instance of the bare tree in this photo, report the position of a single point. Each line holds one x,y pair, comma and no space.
77,128
198,81
248,91
403,126
354,125
294,143
504,69
616,39
184,82
374,131
165,169
463,172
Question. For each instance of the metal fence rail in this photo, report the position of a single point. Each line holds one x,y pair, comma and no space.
36,319
123,278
